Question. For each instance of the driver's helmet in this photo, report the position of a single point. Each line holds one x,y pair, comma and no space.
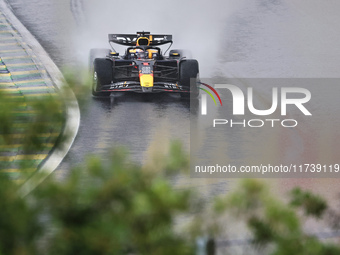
141,54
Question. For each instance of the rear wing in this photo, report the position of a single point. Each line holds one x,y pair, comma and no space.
131,39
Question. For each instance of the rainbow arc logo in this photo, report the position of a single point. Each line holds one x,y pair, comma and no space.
209,93
204,97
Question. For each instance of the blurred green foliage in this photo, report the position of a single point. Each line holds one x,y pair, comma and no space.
34,116
311,204
274,224
113,206
29,125
116,207
19,222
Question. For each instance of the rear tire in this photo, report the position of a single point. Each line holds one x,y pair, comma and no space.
188,76
102,75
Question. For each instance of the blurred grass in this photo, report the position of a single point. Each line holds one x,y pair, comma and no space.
27,126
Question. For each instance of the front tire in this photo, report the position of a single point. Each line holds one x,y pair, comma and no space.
102,75
97,53
188,76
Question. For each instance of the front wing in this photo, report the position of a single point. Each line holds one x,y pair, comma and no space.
134,86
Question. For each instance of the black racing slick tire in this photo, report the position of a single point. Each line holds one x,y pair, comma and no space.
102,75
97,53
188,76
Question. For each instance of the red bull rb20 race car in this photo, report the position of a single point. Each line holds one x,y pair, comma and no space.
143,68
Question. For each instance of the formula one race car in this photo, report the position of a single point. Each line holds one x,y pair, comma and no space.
143,68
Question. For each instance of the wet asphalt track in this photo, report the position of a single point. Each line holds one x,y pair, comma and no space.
253,39
245,39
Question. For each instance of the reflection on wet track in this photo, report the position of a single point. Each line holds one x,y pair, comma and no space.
133,120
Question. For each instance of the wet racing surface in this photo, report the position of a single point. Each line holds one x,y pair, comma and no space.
277,39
